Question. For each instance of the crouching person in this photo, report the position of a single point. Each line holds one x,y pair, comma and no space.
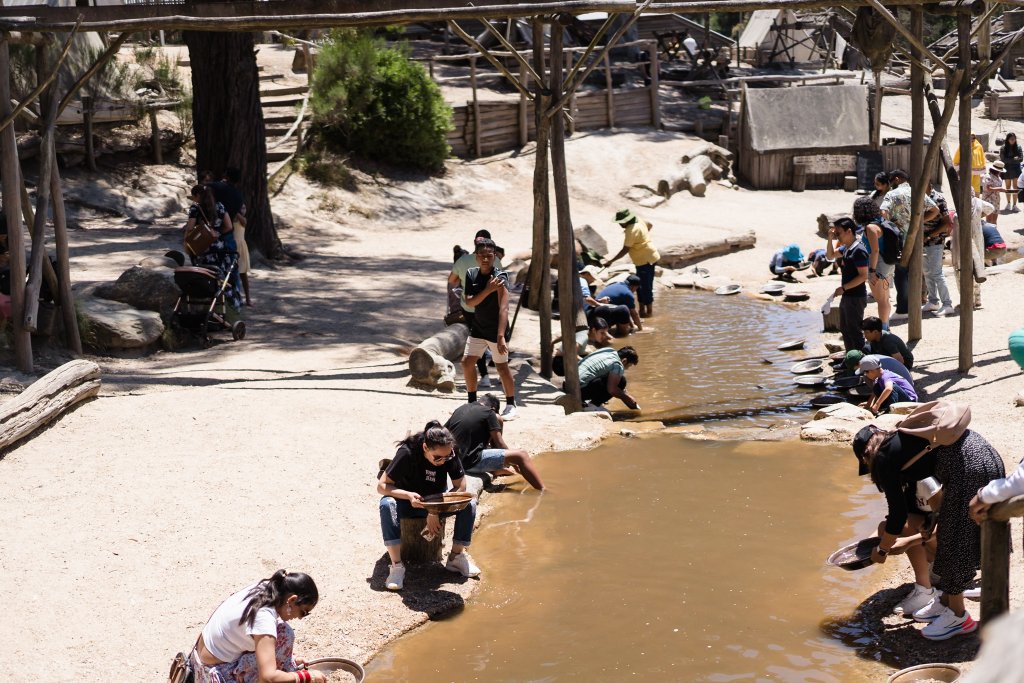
482,448
421,467
603,376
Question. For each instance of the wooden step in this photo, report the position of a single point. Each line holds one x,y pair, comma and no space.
286,101
279,154
286,116
284,90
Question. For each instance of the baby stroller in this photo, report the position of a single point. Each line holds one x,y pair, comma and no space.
201,308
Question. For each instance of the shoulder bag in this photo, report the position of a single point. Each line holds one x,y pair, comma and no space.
199,239
940,423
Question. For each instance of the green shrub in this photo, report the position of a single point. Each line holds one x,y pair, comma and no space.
372,100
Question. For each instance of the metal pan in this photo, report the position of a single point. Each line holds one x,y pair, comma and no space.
331,664
810,380
792,345
823,400
725,290
795,296
854,556
808,366
847,382
443,503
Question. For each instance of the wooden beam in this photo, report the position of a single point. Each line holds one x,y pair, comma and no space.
523,64
995,569
569,297
486,54
964,233
919,185
540,262
102,59
43,84
72,336
991,69
908,35
10,180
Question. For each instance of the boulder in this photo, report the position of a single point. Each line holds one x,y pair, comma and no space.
903,408
837,423
590,239
112,325
843,411
142,288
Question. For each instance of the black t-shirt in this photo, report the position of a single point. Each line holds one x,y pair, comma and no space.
855,257
892,455
889,345
410,470
472,424
230,196
485,318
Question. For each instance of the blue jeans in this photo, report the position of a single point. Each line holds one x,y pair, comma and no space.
393,510
490,459
934,279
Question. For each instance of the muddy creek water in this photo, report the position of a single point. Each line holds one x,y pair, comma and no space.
662,558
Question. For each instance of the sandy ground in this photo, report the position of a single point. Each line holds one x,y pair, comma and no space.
128,521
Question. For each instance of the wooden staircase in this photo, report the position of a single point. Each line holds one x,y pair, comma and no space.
285,113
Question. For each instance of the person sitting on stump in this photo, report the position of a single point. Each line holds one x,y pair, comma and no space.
421,467
603,376
785,262
887,387
481,447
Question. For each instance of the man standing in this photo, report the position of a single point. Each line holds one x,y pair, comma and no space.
896,208
603,376
853,273
618,305
935,233
457,281
481,447
486,291
885,343
637,243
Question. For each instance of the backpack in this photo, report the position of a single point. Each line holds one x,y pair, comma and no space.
940,423
891,245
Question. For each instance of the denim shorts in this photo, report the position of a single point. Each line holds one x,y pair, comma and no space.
490,459
885,270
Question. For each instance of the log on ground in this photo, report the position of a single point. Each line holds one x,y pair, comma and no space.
680,255
47,398
694,177
431,362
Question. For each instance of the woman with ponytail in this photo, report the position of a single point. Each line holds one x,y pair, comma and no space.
248,639
421,468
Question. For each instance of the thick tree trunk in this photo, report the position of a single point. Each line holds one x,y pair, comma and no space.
229,123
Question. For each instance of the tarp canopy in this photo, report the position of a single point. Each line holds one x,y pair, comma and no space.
808,117
760,23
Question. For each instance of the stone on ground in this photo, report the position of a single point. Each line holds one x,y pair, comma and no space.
112,325
142,288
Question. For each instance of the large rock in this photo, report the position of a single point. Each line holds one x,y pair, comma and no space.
111,325
843,411
591,239
143,288
838,422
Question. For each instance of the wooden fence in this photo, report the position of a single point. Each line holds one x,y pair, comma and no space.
995,558
1003,106
481,128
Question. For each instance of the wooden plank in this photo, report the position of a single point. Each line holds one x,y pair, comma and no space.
995,569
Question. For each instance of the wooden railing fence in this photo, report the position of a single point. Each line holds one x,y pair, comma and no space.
995,558
490,127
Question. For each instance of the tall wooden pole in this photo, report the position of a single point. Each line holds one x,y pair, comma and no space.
915,243
569,295
10,181
984,32
540,263
964,233
876,111
72,336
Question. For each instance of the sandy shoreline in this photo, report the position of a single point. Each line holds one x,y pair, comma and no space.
132,517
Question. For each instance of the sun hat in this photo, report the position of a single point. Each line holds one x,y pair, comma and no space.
590,270
852,358
792,253
867,364
998,166
623,216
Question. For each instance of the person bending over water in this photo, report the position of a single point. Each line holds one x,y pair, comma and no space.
248,639
421,468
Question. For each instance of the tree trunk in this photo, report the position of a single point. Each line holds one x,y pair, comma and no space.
229,123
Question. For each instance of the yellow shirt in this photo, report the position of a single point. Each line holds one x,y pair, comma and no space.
638,241
978,164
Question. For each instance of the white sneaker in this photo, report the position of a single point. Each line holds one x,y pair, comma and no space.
396,577
930,611
509,412
484,383
973,593
930,307
462,564
919,597
947,624
946,310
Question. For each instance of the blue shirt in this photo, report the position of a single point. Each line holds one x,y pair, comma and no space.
619,294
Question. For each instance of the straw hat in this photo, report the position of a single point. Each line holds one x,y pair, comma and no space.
998,166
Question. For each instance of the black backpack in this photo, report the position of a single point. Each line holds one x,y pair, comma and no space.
891,244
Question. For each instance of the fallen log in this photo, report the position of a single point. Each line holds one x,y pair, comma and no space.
693,176
46,399
719,155
431,362
680,255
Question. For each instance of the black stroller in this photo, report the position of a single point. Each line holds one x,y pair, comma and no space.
202,308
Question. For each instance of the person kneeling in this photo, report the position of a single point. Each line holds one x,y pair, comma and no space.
603,376
421,468
248,639
477,431
887,387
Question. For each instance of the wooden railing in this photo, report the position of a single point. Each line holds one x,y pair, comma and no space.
995,557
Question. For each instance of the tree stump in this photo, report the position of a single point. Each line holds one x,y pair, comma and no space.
414,547
431,361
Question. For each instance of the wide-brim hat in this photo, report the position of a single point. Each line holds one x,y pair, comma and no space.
590,270
623,216
998,166
792,253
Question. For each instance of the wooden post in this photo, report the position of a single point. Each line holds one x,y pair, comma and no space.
573,111
652,51
540,263
568,277
876,112
158,152
965,242
609,105
477,147
918,182
90,152
72,336
10,180
995,569
524,128
984,40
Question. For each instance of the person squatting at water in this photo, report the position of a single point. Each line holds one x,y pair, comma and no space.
911,453
596,336
854,273
618,306
880,341
248,639
421,467
637,243
481,446
785,262
603,376
887,387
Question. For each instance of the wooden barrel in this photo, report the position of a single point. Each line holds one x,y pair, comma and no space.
850,183
799,177
831,319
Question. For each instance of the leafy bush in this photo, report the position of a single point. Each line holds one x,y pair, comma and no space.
371,99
